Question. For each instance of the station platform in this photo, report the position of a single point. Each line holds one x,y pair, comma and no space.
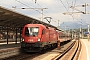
7,50
11,43
85,50
5,46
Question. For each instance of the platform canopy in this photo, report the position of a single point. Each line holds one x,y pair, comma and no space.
12,19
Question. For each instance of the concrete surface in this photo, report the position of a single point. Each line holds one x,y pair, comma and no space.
85,51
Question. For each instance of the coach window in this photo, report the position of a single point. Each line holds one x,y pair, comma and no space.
43,31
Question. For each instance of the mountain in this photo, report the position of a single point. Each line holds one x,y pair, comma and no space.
72,25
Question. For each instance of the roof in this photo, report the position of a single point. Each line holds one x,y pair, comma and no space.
12,19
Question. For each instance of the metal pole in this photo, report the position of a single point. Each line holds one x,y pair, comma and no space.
58,23
16,35
72,34
7,35
88,32
20,34
41,14
80,31
65,28
85,8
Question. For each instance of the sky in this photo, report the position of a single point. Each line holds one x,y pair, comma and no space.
55,9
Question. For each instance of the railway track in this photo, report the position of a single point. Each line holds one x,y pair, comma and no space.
69,53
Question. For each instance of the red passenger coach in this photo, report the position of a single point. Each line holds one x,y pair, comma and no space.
37,37
62,36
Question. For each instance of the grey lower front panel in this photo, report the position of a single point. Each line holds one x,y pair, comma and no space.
31,47
36,44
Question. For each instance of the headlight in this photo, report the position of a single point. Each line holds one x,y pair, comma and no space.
38,39
23,40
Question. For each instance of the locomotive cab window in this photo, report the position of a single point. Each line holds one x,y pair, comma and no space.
43,31
31,31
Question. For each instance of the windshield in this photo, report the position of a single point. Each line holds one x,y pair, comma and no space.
31,31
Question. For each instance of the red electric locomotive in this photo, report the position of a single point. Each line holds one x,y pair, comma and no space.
37,37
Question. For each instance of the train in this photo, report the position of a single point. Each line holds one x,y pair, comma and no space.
38,37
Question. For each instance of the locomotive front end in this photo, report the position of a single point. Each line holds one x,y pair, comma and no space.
31,38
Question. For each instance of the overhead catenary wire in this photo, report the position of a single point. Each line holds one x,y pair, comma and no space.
66,8
34,9
73,10
68,5
41,7
75,3
27,5
45,10
64,5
